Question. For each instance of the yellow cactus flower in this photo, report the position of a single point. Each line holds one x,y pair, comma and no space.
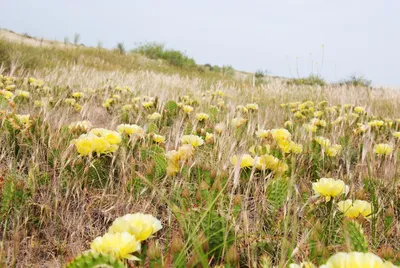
318,113
356,260
83,146
193,140
185,152
252,106
130,129
147,104
352,209
396,134
202,116
334,150
118,245
329,188
238,122
84,125
310,128
299,115
24,119
173,156
23,94
324,142
154,116
280,134
383,149
376,123
77,95
262,133
359,110
158,138
209,138
142,226
245,160
70,101
112,137
187,109
127,107
7,94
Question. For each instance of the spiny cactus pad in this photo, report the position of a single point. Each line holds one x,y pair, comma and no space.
95,260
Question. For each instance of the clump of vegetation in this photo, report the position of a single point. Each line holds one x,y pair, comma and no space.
356,81
173,57
312,80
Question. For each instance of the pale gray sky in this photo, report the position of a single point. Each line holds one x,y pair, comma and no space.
359,36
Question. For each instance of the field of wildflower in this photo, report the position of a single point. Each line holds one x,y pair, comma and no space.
150,169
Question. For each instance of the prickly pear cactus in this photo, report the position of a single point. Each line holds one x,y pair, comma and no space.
277,192
356,239
95,260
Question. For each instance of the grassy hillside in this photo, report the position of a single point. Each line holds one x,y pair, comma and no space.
233,173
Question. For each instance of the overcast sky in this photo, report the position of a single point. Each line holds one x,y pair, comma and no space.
335,38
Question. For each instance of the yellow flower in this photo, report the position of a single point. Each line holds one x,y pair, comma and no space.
328,188
154,116
242,109
396,134
185,152
22,94
310,128
127,107
238,122
24,118
352,209
318,113
187,109
77,95
130,129
355,260
142,226
202,116
359,110
245,160
70,101
172,168
299,115
296,148
112,137
383,149
7,94
376,123
333,150
83,145
209,138
158,138
147,104
318,122
80,125
280,134
252,106
193,140
118,245
262,133
324,142
172,156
